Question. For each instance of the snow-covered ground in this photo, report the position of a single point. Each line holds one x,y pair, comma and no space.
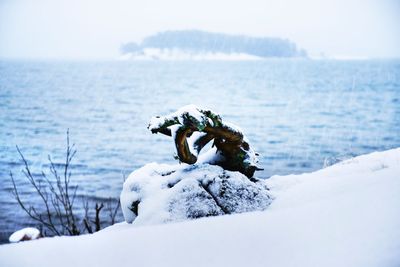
345,215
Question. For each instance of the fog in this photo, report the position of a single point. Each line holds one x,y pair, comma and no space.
93,29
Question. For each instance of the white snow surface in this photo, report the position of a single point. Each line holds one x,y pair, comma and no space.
344,215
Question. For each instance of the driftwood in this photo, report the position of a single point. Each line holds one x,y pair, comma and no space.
229,141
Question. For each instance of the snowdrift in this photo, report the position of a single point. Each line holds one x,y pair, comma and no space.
344,215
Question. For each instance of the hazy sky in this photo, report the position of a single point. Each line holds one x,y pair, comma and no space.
96,29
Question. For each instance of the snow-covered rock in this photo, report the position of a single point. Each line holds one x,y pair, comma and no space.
159,193
25,234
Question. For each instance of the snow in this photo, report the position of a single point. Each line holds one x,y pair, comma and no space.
192,140
28,233
343,215
191,110
163,193
178,54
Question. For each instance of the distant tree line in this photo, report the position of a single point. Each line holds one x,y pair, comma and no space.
200,41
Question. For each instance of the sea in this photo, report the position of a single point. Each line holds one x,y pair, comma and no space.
300,115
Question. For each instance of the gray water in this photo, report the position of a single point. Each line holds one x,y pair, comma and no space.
298,114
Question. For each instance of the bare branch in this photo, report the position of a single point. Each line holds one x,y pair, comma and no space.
86,220
58,196
112,211
97,218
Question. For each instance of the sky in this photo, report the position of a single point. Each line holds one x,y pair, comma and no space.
95,29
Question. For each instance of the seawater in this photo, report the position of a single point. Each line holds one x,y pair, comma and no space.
298,114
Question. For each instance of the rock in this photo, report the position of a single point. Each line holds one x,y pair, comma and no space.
160,193
25,234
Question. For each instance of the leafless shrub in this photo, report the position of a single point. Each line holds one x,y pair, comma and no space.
58,196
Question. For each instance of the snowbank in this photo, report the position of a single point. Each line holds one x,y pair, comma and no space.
344,215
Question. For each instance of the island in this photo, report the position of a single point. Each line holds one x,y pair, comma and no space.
202,45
